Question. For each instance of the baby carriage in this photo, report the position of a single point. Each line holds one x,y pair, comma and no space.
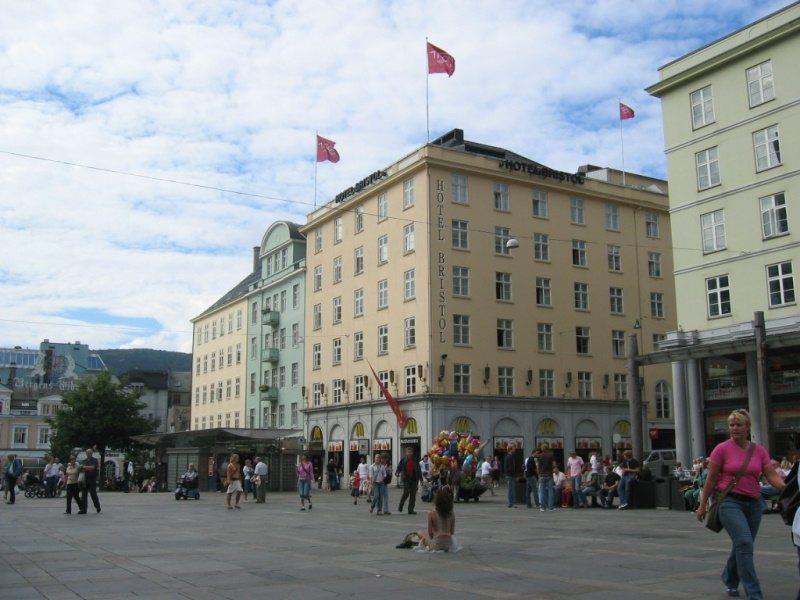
187,488
34,487
426,491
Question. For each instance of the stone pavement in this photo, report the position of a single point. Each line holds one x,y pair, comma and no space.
150,546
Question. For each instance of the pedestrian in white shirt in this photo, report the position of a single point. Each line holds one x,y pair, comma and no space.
259,474
363,476
486,474
425,467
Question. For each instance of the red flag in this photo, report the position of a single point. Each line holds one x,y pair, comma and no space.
401,418
326,150
440,61
625,112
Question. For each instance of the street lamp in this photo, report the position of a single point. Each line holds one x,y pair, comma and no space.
512,243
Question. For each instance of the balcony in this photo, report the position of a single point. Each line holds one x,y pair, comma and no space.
270,355
270,395
271,318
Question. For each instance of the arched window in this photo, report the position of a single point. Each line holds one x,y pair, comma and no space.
663,407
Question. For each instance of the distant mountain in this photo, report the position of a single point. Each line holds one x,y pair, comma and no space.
144,359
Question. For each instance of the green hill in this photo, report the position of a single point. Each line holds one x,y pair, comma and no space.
145,359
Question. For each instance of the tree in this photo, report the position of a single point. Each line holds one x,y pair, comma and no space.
100,414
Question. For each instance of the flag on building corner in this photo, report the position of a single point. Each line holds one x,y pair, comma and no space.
625,112
401,418
440,61
326,150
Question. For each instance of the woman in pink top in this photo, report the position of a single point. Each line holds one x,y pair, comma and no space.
740,511
305,475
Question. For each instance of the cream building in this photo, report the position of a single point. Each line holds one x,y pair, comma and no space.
731,124
409,270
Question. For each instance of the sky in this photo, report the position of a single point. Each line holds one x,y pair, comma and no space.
228,94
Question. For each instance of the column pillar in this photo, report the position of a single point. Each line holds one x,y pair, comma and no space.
696,415
753,398
634,398
680,413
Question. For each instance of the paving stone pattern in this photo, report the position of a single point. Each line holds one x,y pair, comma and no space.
150,546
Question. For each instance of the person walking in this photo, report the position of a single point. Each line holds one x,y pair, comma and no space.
486,475
72,472
91,470
380,496
531,480
544,467
52,472
260,473
575,469
333,475
510,469
305,475
13,471
735,466
234,477
408,468
247,471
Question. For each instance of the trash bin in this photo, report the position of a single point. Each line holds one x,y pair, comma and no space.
519,491
662,492
643,494
676,500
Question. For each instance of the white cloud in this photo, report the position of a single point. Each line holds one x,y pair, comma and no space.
229,93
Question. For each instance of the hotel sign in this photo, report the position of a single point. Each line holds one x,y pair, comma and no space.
540,171
354,189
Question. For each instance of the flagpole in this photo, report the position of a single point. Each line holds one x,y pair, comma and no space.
316,144
621,140
427,111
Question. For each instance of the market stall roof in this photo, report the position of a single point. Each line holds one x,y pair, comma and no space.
218,435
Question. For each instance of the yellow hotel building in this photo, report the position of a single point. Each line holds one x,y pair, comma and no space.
731,113
409,270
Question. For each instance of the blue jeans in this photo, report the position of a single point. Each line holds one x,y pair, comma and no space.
625,488
577,495
304,487
546,492
510,482
380,497
531,485
741,519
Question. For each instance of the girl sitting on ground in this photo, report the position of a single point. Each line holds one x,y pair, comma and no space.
441,526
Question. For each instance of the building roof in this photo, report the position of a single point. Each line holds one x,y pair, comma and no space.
294,231
455,141
153,380
239,290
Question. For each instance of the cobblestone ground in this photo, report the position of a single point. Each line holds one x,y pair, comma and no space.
150,546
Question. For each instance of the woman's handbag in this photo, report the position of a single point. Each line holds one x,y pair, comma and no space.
712,516
789,500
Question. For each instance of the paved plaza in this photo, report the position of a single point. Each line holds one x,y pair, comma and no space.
150,546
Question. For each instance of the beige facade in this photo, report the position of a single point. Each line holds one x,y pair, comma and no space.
495,340
219,366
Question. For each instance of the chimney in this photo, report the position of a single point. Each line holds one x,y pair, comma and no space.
256,261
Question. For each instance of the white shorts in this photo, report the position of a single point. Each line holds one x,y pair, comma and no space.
235,486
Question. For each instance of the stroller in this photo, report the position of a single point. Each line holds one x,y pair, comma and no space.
187,488
34,487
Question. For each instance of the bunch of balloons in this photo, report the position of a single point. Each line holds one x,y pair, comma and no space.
452,449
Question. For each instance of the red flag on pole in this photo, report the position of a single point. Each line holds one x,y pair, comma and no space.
326,150
625,112
440,61
401,418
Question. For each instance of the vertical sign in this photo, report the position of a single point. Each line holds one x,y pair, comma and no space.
441,266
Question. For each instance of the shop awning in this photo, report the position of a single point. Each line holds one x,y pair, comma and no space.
221,435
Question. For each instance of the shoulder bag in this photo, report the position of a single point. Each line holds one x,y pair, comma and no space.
789,500
712,516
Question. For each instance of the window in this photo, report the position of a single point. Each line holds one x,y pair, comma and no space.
581,295
383,294
213,361
702,107
544,337
383,339
663,408
612,217
205,332
358,260
253,315
252,386
707,162
196,396
542,291
547,383
358,225
383,207
214,329
295,334
651,224
230,355
460,234
505,334
295,374
253,347
505,381
774,221
316,356
295,295
459,188
270,268
337,269
317,240
237,387
238,353
358,302
383,249
654,264
617,343
781,284
540,204
317,278
411,380
358,387
205,363
584,384
614,258
409,332
358,345
502,286
409,285
198,366
283,301
408,193
20,435
501,236
615,295
219,391
461,330
760,86
383,376
460,281
317,316
337,351
293,410
582,340
500,195
767,147
238,320
205,393
337,309
620,386
657,305
541,246
282,377
317,394
408,238
337,230
579,253
461,378
230,323
44,436
576,212
719,296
